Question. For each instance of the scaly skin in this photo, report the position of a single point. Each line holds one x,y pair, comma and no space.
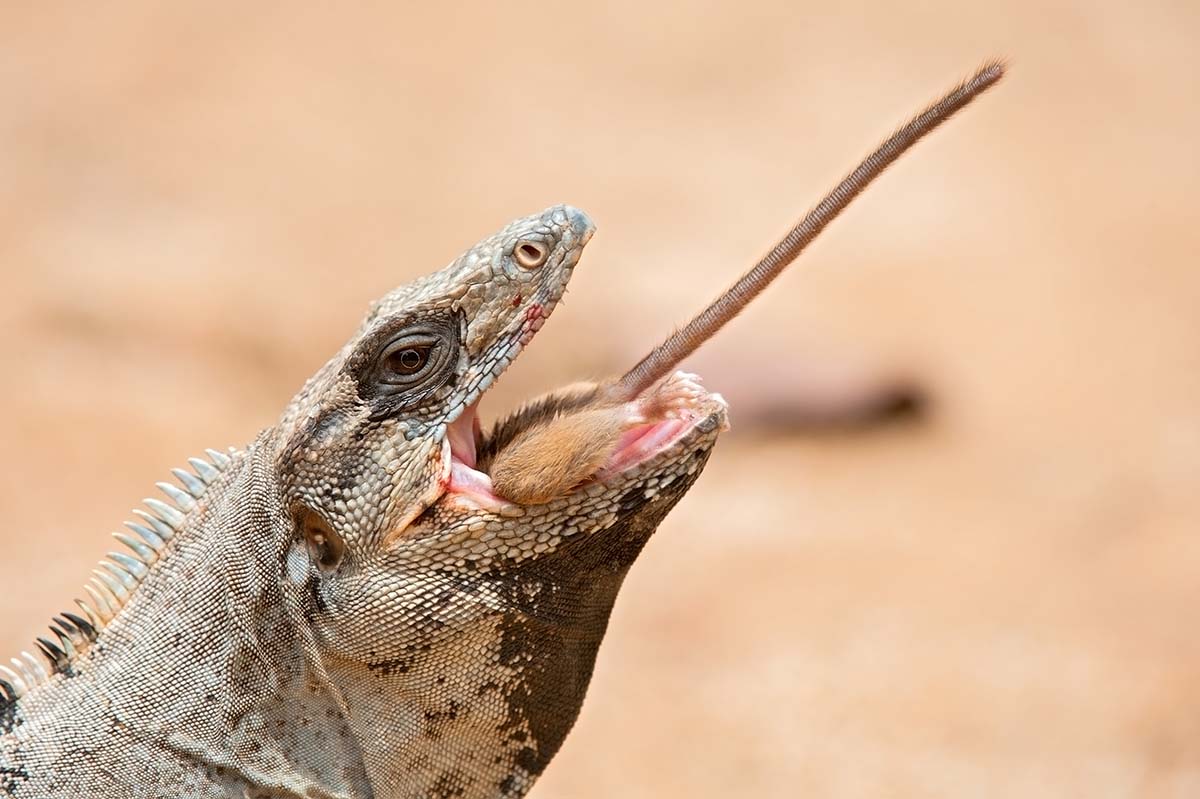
339,610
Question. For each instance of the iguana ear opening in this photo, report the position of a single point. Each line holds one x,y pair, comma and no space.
325,547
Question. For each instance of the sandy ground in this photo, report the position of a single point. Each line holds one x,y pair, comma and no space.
997,598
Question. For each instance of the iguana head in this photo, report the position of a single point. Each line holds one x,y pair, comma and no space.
365,445
460,628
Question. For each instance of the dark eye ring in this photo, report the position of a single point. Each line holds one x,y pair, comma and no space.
399,367
530,254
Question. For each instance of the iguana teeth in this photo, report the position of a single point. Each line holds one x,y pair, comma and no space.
182,499
53,653
112,585
104,609
168,514
116,570
14,680
144,553
219,459
86,628
194,485
164,531
153,539
130,564
204,469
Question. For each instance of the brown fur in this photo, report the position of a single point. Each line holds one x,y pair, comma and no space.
552,456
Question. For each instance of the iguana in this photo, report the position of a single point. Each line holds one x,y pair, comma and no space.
346,607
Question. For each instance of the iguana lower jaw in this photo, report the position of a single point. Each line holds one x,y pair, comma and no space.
523,595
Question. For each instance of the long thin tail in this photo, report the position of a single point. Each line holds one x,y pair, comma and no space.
688,339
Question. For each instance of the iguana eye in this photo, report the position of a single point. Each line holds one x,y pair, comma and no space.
404,359
401,367
407,361
530,254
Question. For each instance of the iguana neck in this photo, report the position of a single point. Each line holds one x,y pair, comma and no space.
202,677
478,705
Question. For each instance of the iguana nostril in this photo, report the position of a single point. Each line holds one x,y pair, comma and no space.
530,254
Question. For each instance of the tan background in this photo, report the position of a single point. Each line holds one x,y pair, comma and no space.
198,202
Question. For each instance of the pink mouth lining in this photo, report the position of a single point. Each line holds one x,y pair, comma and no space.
642,443
462,433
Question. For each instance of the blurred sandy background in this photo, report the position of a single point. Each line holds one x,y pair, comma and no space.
998,597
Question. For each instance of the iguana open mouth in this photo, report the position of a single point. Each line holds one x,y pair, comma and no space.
641,445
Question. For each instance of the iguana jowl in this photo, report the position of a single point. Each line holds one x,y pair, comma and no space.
346,607
343,608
